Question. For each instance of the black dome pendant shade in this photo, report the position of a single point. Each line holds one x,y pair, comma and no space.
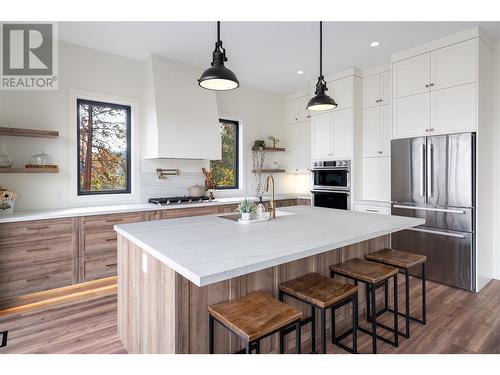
218,77
321,101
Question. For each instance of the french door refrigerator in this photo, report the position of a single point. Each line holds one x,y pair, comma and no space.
434,178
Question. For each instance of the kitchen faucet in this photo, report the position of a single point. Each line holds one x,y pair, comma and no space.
272,206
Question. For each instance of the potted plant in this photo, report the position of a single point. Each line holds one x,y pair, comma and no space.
274,140
258,144
246,208
7,199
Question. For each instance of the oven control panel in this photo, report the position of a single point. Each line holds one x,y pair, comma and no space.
331,164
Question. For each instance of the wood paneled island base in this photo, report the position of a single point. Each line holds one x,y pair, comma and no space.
160,311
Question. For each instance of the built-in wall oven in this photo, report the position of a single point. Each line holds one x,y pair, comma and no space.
331,180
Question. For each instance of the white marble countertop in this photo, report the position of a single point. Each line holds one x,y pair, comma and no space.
120,208
208,249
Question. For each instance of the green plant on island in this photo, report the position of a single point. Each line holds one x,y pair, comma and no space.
246,207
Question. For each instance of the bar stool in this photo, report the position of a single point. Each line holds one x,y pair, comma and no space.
253,318
323,293
404,261
3,342
372,274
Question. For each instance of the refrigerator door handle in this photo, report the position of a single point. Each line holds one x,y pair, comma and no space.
422,170
430,169
447,234
448,210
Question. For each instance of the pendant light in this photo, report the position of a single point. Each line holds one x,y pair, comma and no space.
218,77
321,101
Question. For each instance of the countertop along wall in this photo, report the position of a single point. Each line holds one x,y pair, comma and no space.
90,70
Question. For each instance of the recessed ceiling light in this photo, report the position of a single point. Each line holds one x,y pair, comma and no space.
374,44
300,72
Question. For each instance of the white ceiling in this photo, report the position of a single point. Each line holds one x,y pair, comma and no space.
265,55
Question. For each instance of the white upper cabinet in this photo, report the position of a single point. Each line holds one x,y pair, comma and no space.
454,110
342,91
295,110
411,76
377,90
342,134
322,136
454,65
371,132
411,116
298,147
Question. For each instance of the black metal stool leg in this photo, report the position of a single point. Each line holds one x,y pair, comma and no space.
333,325
368,313
210,334
407,303
248,349
257,347
313,329
386,295
282,342
424,306
373,319
298,336
323,331
396,332
355,323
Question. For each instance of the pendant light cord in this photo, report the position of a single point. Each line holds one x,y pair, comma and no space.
321,48
218,31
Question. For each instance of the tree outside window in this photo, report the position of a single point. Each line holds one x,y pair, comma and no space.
225,172
104,148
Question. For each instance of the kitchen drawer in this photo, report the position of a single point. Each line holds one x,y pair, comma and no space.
188,212
103,223
373,209
37,251
99,243
152,215
98,267
18,279
36,230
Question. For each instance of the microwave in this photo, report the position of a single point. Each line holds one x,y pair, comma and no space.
331,175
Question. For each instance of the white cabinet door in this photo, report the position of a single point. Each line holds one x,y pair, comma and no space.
321,136
411,76
385,130
304,146
343,92
371,132
370,184
411,116
454,110
343,134
291,114
385,88
385,179
292,147
454,65
301,109
371,91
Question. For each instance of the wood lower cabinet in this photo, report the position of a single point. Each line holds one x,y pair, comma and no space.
152,215
303,202
286,203
37,255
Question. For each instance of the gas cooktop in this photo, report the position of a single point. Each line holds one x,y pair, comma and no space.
178,200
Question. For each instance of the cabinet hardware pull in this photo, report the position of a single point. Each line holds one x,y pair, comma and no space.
113,220
41,227
446,210
381,100
431,129
428,85
432,84
37,278
438,232
368,210
39,249
308,116
110,239
111,265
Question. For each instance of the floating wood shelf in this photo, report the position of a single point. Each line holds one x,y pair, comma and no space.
29,170
19,132
274,149
269,170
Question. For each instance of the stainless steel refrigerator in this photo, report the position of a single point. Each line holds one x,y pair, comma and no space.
434,178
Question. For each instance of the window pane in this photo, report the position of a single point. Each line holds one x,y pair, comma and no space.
104,160
225,171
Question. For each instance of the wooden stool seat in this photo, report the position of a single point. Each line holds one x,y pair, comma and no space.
366,271
255,315
318,290
397,258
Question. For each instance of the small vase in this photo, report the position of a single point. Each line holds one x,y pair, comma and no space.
5,159
246,216
7,206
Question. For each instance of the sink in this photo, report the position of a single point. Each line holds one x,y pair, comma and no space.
235,217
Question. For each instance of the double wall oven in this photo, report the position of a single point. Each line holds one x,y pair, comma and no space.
331,180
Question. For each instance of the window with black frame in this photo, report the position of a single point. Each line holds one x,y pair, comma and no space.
103,148
225,172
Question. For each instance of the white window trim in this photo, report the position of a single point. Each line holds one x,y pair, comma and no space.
242,178
134,195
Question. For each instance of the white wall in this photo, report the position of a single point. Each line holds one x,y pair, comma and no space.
261,114
496,118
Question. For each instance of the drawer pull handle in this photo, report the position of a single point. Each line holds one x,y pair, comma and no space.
110,239
371,210
111,265
41,227
113,220
38,278
39,249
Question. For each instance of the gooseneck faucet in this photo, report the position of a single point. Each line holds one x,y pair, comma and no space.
272,206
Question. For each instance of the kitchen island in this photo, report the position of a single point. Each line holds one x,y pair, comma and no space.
169,271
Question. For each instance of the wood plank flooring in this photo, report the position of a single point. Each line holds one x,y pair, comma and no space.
86,322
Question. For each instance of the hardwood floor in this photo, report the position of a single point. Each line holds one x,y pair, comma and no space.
83,320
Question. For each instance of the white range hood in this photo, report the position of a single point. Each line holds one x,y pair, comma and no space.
181,119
